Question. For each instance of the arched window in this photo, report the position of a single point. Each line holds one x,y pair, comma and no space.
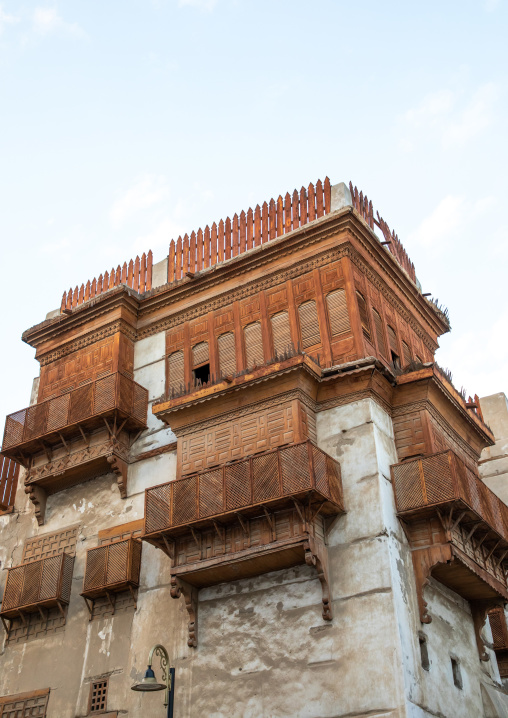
281,333
337,312
176,378
364,315
406,353
227,356
309,324
200,363
378,328
253,345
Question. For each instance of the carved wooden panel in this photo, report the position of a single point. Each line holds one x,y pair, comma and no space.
174,340
250,310
332,276
224,320
303,288
74,369
52,544
33,704
125,355
133,529
229,440
276,299
198,330
410,434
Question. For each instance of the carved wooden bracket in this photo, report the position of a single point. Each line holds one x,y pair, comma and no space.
424,561
479,610
119,467
316,555
190,594
38,497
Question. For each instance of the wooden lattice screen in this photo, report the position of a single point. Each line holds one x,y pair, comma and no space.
9,474
33,704
45,582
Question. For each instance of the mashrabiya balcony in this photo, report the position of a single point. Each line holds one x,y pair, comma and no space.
110,569
457,529
497,619
37,585
115,397
248,517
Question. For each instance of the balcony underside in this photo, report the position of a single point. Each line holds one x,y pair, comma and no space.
18,611
468,579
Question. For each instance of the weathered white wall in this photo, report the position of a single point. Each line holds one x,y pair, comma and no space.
494,459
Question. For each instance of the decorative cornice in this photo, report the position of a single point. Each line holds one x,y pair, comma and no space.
85,341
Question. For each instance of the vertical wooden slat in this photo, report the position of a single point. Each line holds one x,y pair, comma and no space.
250,228
149,267
234,239
295,211
206,248
303,206
63,303
257,226
171,262
178,259
280,216
311,203
81,294
118,276
213,245
192,252
199,250
220,248
87,291
265,230
227,239
93,288
287,213
242,240
123,278
319,199
142,273
112,278
185,255
273,220
99,283
328,195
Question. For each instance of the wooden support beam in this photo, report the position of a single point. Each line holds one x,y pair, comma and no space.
221,531
317,512
111,603
492,550
64,443
458,520
170,547
300,509
134,598
470,534
90,609
244,524
195,537
500,560
59,603
85,438
269,518
135,438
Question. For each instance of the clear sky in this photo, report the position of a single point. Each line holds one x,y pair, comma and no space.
125,123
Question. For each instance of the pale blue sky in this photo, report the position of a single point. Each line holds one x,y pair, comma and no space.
125,123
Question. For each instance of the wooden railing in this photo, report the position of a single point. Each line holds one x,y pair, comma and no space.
9,473
112,567
137,275
54,417
288,472
364,207
250,229
442,479
45,582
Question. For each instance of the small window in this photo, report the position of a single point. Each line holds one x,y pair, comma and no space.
227,355
364,315
253,345
457,676
98,696
200,363
424,653
176,378
309,324
281,333
337,312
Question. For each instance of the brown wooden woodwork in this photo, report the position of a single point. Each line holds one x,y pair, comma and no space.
35,586
111,568
497,619
132,529
51,544
33,703
245,518
458,532
9,474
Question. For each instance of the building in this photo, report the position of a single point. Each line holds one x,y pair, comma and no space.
247,453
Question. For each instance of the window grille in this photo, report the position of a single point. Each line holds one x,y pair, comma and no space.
378,328
364,315
200,354
337,312
23,705
176,371
227,356
406,353
98,696
392,339
253,345
309,324
281,332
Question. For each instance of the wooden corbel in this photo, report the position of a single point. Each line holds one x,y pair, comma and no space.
479,611
38,497
316,555
119,467
424,560
190,594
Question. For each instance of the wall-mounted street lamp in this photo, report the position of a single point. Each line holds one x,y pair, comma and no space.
149,681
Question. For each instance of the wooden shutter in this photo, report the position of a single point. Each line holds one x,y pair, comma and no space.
337,312
406,353
200,353
227,356
392,339
309,324
364,315
281,333
378,328
498,627
254,345
176,371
